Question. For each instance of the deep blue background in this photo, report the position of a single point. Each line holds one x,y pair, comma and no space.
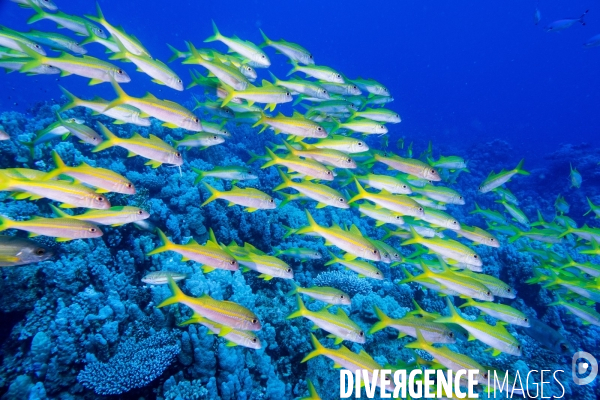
460,71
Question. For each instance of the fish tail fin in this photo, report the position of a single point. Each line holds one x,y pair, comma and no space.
58,212
294,69
214,194
581,19
275,80
409,277
592,206
300,311
216,34
275,159
73,101
519,169
231,93
286,199
177,297
100,18
419,343
454,316
384,321
176,53
5,223
111,141
200,175
39,13
288,231
266,42
36,59
294,289
517,233
318,351
165,243
361,192
122,97
60,166
312,224
261,121
290,148
349,180
416,238
334,259
286,181
558,302
254,157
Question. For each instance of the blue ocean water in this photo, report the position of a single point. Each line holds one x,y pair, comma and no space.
479,81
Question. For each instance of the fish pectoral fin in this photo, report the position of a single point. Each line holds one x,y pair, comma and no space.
102,191
184,259
314,327
321,205
157,81
229,343
225,330
65,136
67,206
361,276
153,164
93,82
31,234
118,122
328,243
265,277
471,338
250,209
131,154
117,225
64,73
338,339
401,335
170,125
63,239
231,204
337,366
245,269
207,269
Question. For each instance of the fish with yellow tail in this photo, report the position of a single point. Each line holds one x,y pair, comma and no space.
229,314
243,47
312,392
114,216
364,269
293,51
63,229
172,114
499,179
211,255
329,295
152,148
352,242
324,195
447,248
408,325
233,337
344,358
252,199
497,337
309,168
339,325
268,94
400,204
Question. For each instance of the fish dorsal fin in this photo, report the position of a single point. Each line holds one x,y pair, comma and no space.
192,241
138,136
253,249
212,245
266,83
155,138
150,96
354,230
296,114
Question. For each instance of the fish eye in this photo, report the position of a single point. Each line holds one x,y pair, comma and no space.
328,172
37,46
381,126
310,56
563,347
375,252
433,171
488,293
450,334
100,198
348,160
454,222
359,144
377,273
475,256
491,239
178,80
177,154
214,138
460,197
354,87
92,230
342,297
40,252
396,255
129,185
289,270
254,321
420,208
270,200
526,320
319,129
361,334
288,94
404,187
508,290
338,75
196,120
232,262
341,200
262,57
253,340
480,187
120,71
398,217
519,347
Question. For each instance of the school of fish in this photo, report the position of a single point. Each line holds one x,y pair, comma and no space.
321,158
